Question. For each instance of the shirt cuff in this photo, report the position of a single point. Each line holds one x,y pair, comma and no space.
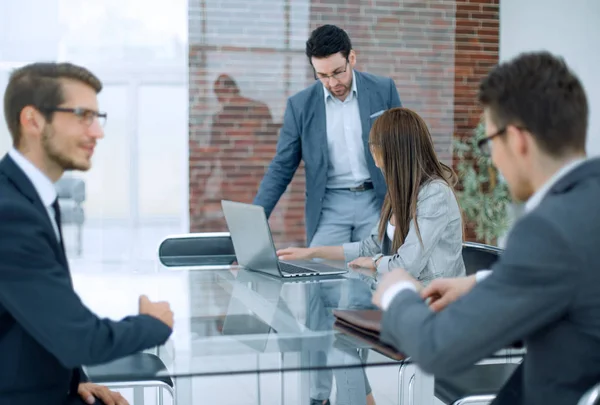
482,274
393,291
384,264
351,251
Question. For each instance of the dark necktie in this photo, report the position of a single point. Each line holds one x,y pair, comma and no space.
56,208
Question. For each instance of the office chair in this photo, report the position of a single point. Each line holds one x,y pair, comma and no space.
71,195
480,383
137,371
591,397
478,256
197,249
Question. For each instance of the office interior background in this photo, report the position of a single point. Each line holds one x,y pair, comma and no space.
172,151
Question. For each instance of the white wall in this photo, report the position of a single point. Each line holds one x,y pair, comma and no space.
140,169
570,28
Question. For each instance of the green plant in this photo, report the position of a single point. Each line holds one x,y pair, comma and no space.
483,197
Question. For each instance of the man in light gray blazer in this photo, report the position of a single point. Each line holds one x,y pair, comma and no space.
545,288
327,126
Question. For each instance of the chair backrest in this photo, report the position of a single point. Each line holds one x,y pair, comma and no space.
591,397
197,249
478,256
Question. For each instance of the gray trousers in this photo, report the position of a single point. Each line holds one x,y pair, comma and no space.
347,216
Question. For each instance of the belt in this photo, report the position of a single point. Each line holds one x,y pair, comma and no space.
363,187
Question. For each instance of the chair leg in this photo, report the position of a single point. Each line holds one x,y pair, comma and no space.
138,396
79,240
171,391
161,399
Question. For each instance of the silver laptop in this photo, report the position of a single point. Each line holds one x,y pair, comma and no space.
254,247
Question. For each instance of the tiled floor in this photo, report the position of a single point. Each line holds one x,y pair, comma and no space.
118,264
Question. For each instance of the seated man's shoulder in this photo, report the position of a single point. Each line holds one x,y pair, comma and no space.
13,205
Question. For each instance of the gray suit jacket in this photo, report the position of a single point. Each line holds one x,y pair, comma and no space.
304,137
544,290
440,225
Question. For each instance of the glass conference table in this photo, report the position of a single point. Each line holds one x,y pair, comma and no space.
236,328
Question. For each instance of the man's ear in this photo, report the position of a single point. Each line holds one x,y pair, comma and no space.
31,120
352,58
519,139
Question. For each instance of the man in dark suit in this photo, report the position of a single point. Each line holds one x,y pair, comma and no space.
545,288
46,333
327,126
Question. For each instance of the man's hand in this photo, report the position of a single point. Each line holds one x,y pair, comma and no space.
391,278
443,291
362,262
89,392
159,310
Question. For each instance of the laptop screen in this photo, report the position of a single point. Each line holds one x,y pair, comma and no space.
251,236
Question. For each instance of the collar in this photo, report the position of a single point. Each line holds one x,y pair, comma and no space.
40,181
539,195
353,91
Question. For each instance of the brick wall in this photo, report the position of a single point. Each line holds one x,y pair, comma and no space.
430,48
476,52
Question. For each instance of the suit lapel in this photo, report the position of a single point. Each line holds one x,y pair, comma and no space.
364,105
319,122
14,173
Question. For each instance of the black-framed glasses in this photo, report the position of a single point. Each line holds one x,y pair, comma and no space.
485,145
335,75
85,115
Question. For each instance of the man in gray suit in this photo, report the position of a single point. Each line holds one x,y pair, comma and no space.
327,125
545,288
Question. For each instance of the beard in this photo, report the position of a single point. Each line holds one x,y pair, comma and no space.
55,155
338,91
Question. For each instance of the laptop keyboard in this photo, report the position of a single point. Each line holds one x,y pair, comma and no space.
293,269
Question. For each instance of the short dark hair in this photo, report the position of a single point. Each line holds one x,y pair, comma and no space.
328,40
538,91
39,85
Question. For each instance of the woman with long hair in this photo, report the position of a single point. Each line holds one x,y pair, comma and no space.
420,228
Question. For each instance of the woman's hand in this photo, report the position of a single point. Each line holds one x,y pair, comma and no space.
294,253
362,262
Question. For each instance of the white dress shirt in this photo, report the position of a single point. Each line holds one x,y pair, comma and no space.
531,204
347,163
390,230
42,184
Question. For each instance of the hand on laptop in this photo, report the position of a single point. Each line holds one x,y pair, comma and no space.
294,253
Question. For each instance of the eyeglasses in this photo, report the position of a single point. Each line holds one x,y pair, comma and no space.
85,115
336,75
484,144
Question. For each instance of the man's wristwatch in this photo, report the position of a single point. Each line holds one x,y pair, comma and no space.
376,258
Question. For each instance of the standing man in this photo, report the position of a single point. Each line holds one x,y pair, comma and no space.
327,125
46,332
545,288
